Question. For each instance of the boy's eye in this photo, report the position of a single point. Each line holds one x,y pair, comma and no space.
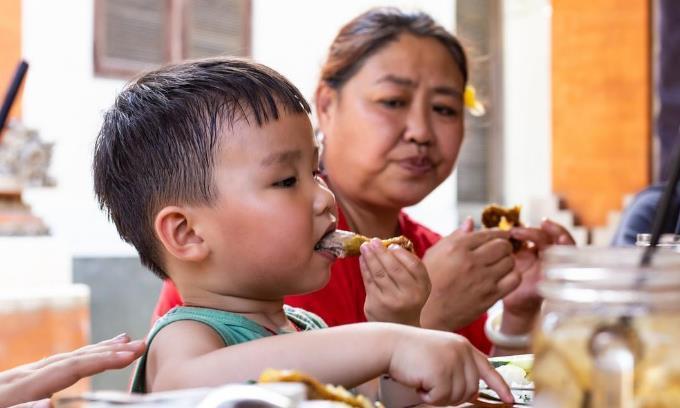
393,103
286,183
445,110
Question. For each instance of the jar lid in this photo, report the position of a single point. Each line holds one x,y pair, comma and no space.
610,274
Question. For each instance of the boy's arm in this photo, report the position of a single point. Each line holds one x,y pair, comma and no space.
444,366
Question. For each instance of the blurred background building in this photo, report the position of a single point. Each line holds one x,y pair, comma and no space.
569,87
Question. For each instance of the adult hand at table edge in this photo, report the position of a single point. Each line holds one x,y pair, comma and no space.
39,380
522,305
469,271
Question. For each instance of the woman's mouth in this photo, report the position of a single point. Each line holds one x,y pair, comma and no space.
417,166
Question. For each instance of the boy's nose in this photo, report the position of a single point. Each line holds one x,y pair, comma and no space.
324,200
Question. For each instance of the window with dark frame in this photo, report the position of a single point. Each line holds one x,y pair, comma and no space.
134,35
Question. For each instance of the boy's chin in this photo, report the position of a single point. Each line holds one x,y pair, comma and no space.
312,285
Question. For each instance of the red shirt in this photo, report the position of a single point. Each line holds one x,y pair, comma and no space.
342,300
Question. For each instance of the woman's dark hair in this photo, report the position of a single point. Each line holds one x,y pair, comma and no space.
372,30
158,142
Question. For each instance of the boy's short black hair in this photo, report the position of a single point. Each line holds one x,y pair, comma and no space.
158,142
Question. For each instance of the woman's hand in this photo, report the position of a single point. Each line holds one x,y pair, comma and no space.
521,306
469,271
397,284
39,380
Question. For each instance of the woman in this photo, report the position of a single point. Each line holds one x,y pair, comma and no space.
390,108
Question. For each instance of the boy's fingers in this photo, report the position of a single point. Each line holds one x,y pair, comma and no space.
413,264
392,265
373,266
471,377
492,378
365,272
385,267
438,394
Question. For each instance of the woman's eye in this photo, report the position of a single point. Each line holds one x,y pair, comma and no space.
445,110
286,183
393,103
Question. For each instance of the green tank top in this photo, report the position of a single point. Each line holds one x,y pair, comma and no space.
232,328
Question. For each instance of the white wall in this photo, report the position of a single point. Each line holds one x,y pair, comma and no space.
65,102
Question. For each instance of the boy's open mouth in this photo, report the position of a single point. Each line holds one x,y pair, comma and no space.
336,242
330,243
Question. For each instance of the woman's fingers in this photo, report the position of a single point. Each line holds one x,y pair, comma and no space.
537,236
122,338
508,283
560,234
501,269
492,251
478,238
44,381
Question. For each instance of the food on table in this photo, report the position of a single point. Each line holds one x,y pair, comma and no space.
516,371
317,390
495,216
345,243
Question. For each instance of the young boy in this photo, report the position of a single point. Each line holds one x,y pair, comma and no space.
209,168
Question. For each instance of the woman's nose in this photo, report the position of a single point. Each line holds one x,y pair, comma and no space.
418,127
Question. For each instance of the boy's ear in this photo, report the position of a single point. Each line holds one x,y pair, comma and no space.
174,228
325,100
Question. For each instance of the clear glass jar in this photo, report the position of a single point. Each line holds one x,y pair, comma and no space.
609,331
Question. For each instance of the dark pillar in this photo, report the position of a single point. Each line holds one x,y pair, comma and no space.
668,121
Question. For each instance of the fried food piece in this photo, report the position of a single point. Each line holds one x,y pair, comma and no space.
345,243
504,218
317,390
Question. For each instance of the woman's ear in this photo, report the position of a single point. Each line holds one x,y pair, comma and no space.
325,100
173,226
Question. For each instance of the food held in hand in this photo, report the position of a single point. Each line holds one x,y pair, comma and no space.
495,216
344,244
317,390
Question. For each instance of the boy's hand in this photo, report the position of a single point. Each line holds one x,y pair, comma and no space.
470,271
397,284
444,367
